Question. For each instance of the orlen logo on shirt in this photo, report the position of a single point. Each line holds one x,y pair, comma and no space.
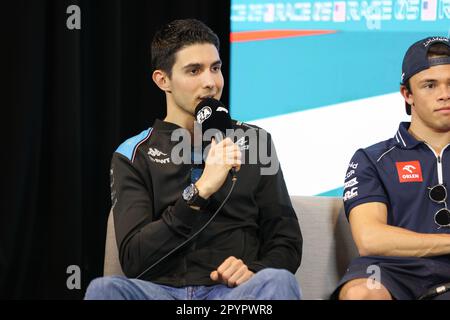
409,171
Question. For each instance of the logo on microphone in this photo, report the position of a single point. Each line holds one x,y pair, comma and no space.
204,114
222,109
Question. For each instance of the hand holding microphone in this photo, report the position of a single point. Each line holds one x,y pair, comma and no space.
223,155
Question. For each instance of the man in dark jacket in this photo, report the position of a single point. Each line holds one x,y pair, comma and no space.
224,229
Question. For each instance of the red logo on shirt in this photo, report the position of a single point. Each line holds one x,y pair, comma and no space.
409,171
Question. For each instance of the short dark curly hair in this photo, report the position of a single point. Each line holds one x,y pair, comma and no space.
176,35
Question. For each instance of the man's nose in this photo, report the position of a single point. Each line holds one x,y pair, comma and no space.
208,80
444,92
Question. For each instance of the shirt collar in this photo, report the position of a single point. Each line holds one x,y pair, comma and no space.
404,139
161,125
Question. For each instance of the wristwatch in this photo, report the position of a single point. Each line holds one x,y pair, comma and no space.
192,197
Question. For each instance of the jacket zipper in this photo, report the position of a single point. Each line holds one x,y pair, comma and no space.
439,162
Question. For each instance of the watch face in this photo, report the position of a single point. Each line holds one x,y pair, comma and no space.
189,193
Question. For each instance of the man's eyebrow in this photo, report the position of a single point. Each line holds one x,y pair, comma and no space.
200,65
192,66
427,80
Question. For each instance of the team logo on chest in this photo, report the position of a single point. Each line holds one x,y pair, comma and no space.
409,171
158,156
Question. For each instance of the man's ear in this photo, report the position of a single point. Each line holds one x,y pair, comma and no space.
162,80
407,95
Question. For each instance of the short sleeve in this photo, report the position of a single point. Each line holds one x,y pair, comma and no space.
362,183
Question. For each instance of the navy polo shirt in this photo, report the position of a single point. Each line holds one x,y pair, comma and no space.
399,172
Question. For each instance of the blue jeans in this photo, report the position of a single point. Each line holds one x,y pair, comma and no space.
267,284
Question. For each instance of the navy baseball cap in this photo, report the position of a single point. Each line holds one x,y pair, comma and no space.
416,59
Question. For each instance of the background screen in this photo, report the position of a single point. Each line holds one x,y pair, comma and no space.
323,77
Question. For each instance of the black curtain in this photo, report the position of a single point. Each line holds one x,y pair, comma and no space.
71,97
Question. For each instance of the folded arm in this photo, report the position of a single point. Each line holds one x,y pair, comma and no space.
373,236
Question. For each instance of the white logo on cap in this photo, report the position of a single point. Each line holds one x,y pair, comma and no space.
431,40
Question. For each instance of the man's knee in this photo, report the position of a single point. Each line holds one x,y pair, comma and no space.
102,288
280,278
358,289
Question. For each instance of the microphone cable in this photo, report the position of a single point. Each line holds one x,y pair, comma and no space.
233,180
435,291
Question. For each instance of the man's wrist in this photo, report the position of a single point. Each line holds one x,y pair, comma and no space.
193,198
203,190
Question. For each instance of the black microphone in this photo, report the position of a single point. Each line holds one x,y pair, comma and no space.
212,114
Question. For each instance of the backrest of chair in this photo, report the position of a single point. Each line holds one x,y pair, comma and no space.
328,245
111,265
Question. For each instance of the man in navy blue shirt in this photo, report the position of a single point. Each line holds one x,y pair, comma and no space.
396,191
